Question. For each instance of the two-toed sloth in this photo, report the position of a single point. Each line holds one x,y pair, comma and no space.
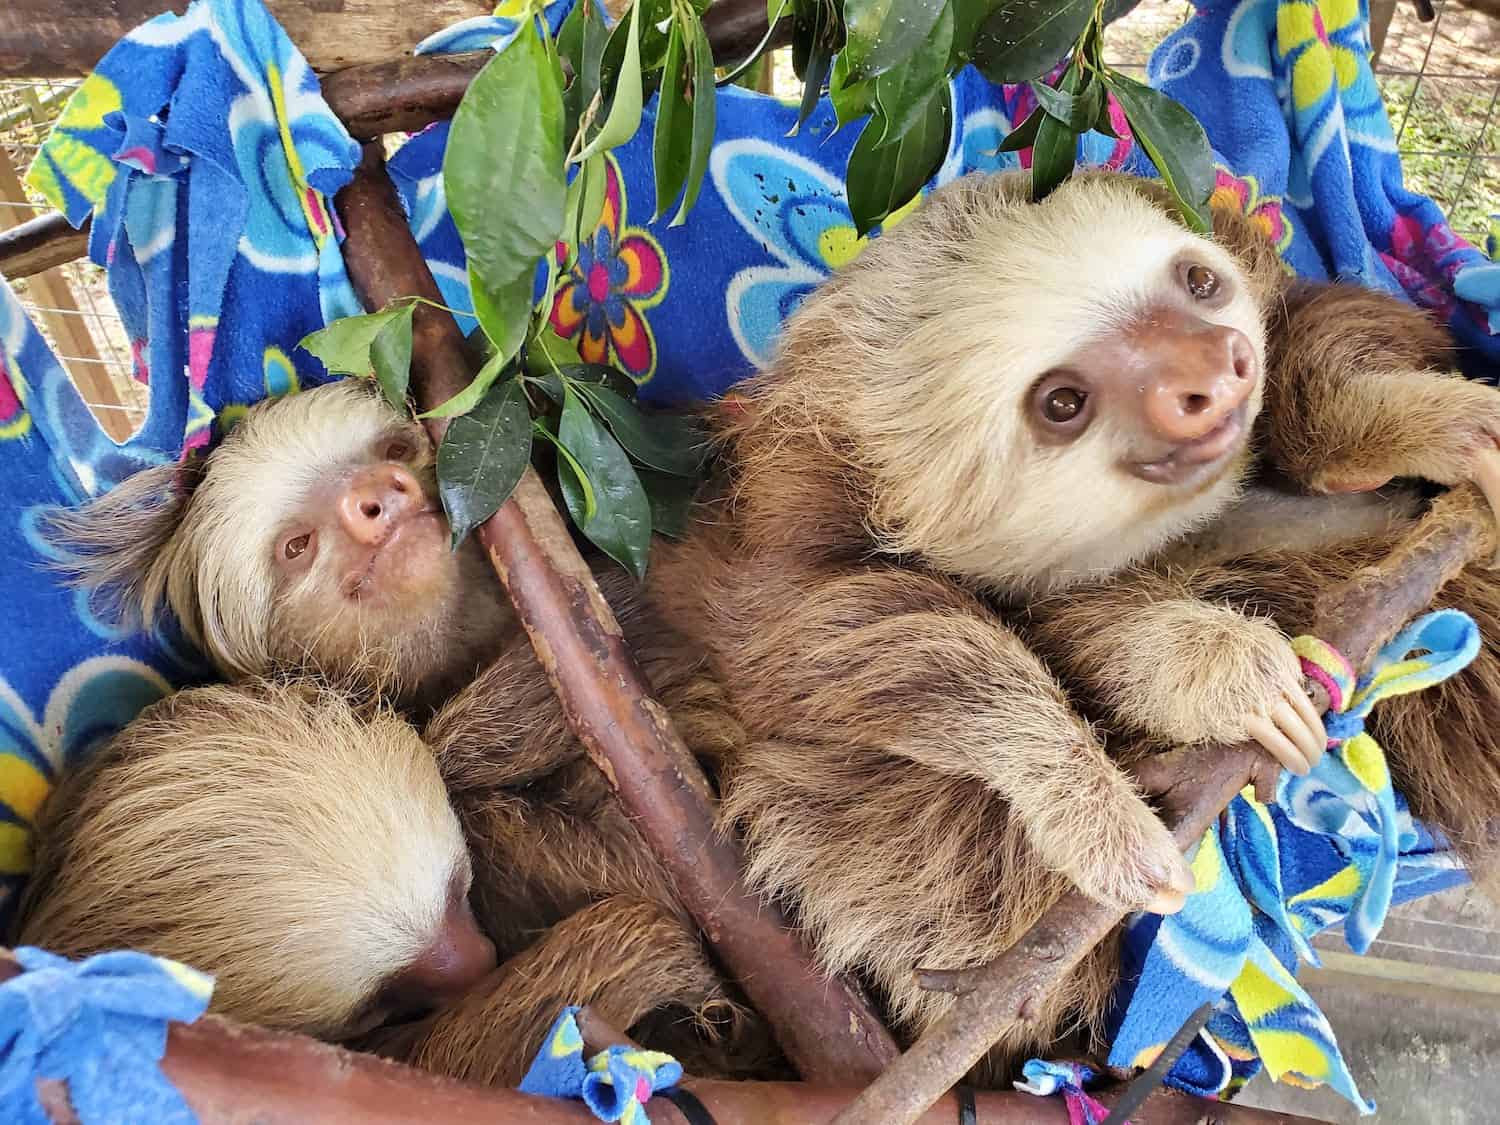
305,854
999,405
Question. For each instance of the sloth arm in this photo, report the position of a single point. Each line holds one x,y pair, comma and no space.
1152,658
1356,394
895,662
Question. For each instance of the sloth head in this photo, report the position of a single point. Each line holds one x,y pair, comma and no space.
302,853
312,539
1024,394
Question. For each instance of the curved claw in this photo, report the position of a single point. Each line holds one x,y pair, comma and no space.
1264,730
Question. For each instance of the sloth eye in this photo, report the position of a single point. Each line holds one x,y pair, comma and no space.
296,546
1062,404
399,450
1202,282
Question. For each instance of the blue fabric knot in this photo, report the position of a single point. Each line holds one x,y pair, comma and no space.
615,1084
1480,283
100,1026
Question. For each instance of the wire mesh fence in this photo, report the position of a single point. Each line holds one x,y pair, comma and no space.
70,304
1440,81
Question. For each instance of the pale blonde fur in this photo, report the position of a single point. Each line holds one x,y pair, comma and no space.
249,831
207,555
927,373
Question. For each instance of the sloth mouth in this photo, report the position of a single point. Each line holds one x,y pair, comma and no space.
1192,462
398,560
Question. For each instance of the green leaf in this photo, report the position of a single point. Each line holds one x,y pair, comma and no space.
671,502
1174,141
902,91
672,147
1024,134
548,351
504,312
569,471
758,57
625,106
483,456
672,443
585,202
585,53
503,174
967,16
1020,39
881,178
1056,147
703,96
1102,123
851,99
1077,111
344,346
818,62
884,33
469,397
620,524
390,353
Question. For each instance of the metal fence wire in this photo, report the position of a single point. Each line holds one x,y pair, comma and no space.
1440,80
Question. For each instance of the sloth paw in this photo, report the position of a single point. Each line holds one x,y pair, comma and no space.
1283,719
1126,857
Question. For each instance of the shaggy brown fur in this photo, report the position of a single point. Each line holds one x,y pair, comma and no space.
393,609
913,781
1441,743
627,959
304,852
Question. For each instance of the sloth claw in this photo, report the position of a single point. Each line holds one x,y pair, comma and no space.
1140,865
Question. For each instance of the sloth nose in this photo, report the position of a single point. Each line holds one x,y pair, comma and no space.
455,960
1201,373
375,499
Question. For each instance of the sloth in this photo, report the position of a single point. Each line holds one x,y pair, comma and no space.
1000,403
311,539
305,854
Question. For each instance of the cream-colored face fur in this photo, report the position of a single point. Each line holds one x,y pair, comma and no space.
422,616
932,342
265,834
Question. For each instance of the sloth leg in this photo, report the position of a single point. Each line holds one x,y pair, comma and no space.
898,665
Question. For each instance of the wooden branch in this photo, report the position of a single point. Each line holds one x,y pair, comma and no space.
1194,786
401,95
231,1074
39,244
824,1027
47,39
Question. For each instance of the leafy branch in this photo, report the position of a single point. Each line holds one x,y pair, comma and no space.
525,175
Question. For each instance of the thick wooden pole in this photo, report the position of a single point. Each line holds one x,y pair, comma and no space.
824,1027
